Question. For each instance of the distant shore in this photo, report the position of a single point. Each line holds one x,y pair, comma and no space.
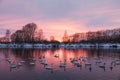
61,45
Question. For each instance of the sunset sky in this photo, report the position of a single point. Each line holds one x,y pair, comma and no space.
56,16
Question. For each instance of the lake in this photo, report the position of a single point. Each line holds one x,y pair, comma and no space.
94,64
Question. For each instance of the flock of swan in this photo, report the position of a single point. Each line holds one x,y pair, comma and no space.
79,62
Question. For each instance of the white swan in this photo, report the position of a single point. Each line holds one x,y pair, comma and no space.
79,65
87,64
13,65
49,67
76,62
33,59
117,62
43,62
32,63
22,61
62,64
98,61
19,64
57,56
102,66
8,60
41,59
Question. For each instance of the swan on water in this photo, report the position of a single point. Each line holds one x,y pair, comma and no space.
49,67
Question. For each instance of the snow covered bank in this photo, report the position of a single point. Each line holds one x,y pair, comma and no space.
61,45
81,45
27,45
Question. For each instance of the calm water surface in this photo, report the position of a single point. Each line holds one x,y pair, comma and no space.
70,72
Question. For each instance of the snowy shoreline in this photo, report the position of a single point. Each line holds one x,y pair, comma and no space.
62,45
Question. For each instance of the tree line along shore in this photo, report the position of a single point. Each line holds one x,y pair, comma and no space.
32,35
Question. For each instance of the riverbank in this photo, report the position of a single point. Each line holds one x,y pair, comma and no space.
61,45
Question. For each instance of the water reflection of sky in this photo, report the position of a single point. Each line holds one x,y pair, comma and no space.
71,72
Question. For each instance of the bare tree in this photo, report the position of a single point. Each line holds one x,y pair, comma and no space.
26,34
65,37
29,31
